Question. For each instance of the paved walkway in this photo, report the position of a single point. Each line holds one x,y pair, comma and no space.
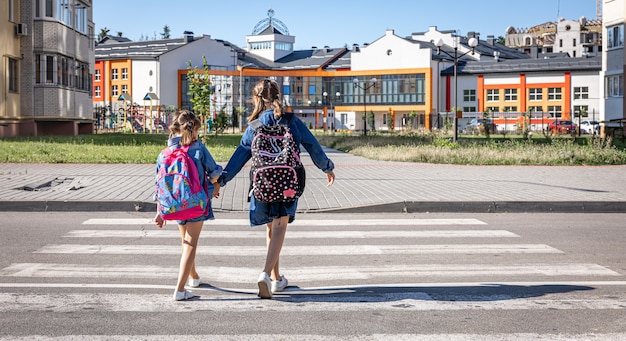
361,185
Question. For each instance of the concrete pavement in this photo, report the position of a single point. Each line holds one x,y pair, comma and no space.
362,185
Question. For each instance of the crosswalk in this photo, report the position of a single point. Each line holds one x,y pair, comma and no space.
384,265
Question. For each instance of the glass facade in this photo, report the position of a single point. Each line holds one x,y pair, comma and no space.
388,90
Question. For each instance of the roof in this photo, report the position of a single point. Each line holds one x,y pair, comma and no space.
112,39
148,49
526,65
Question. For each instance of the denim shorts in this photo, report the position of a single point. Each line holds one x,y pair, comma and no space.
205,217
262,213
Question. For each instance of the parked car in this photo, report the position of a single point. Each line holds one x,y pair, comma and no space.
478,125
590,127
562,127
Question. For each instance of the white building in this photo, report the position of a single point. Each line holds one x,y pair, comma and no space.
613,61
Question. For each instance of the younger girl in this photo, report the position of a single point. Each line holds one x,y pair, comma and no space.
184,132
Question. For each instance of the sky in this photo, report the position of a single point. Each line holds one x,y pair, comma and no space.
333,23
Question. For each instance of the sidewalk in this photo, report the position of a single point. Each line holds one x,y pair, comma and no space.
361,185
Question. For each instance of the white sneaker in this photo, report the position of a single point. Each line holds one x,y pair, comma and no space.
265,283
278,286
193,282
183,295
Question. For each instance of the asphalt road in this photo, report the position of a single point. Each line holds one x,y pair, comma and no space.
464,276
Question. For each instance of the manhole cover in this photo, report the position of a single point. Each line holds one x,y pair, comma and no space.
45,185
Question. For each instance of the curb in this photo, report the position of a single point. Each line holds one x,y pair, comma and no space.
397,207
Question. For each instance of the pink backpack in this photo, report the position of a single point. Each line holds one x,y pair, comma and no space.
178,191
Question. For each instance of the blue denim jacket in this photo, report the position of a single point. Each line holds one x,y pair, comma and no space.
302,135
201,157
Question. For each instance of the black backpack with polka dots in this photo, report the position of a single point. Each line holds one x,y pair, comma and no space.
277,174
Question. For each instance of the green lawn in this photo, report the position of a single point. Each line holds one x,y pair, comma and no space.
427,147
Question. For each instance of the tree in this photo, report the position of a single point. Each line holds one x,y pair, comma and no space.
120,34
103,33
200,90
501,40
166,32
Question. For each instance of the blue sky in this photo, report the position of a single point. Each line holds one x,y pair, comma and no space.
329,22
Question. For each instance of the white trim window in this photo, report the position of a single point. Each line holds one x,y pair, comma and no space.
581,92
124,73
114,75
97,75
469,95
114,91
493,95
535,94
13,69
613,86
510,95
554,110
615,36
584,109
98,92
554,94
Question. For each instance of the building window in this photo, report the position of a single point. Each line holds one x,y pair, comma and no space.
13,74
63,12
536,108
493,95
124,73
125,89
510,109
469,109
554,94
469,95
554,110
613,86
581,109
49,8
615,36
581,92
98,92
50,79
11,11
114,92
535,94
510,94
493,109
97,76
114,74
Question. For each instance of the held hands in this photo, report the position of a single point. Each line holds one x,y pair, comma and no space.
216,190
159,221
331,178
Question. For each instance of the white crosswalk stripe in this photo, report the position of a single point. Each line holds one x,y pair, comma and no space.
400,301
308,274
304,222
296,234
126,249
318,337
303,250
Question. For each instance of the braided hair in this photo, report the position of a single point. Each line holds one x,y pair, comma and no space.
266,96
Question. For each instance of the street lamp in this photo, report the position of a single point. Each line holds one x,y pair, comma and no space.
332,102
472,42
365,88
240,97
